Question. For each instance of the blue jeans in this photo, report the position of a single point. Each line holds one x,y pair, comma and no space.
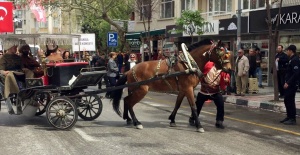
258,71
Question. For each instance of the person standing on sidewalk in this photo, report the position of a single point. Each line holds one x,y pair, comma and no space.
258,67
290,86
241,73
252,63
281,60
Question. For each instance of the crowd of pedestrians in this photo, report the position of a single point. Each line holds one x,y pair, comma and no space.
287,65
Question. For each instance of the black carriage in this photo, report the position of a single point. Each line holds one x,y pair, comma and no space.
61,99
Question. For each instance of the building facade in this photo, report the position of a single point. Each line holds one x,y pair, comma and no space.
221,24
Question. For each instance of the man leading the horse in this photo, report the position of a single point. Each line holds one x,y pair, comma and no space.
211,85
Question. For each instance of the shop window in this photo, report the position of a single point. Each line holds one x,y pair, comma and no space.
167,9
217,7
187,5
253,4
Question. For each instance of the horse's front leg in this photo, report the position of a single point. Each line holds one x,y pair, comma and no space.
191,100
177,106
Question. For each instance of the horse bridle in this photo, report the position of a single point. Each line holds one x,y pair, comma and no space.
220,55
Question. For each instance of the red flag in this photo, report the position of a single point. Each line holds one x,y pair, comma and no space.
38,10
6,17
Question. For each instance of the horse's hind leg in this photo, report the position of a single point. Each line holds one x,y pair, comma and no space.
177,106
134,98
125,114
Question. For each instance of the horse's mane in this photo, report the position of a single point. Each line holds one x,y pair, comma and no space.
200,43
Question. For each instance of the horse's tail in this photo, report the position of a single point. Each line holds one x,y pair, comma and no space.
117,94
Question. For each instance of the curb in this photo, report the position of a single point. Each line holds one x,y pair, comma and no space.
257,104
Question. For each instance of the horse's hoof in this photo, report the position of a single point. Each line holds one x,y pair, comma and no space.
140,126
173,125
201,130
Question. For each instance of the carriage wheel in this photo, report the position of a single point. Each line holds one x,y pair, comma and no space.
90,107
43,99
61,113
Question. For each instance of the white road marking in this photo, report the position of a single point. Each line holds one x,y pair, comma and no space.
85,136
155,104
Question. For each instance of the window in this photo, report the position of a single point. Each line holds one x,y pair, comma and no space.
253,4
219,6
167,9
187,5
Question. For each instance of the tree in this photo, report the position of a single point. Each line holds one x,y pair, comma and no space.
97,10
191,22
145,9
273,43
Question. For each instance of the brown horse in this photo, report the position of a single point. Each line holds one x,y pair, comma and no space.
202,52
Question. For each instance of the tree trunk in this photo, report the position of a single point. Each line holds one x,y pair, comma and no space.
273,43
120,30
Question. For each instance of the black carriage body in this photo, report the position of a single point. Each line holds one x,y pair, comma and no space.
59,74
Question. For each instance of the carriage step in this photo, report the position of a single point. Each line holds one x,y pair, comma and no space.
12,106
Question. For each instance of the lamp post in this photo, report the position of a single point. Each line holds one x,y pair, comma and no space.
239,12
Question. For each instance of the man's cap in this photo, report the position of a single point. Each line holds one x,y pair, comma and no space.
292,48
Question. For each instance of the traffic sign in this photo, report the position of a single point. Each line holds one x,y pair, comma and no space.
112,39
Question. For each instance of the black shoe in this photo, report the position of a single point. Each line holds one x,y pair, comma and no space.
284,120
219,124
290,122
192,121
281,96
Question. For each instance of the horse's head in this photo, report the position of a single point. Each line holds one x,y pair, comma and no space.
206,50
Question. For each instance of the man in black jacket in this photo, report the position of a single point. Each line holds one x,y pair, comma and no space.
281,60
290,86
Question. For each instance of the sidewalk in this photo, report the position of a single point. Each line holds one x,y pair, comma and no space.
264,99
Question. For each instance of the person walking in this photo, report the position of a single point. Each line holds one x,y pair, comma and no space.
281,60
112,71
258,67
290,85
211,85
241,73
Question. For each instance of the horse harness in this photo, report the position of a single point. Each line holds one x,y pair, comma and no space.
171,61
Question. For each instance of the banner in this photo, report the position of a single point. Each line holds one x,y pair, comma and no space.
6,17
87,43
38,10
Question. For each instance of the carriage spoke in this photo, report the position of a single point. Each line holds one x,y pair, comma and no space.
90,113
93,110
86,112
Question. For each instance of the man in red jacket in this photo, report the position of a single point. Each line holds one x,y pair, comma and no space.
211,85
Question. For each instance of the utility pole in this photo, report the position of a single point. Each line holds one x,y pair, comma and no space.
239,12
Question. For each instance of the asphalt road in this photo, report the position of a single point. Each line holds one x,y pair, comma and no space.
248,131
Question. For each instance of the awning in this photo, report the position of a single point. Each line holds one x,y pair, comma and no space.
137,35
155,32
133,35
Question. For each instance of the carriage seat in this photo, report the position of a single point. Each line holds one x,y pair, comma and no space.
59,74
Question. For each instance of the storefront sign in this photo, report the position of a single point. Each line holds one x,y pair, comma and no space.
289,19
210,28
171,31
229,26
134,44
